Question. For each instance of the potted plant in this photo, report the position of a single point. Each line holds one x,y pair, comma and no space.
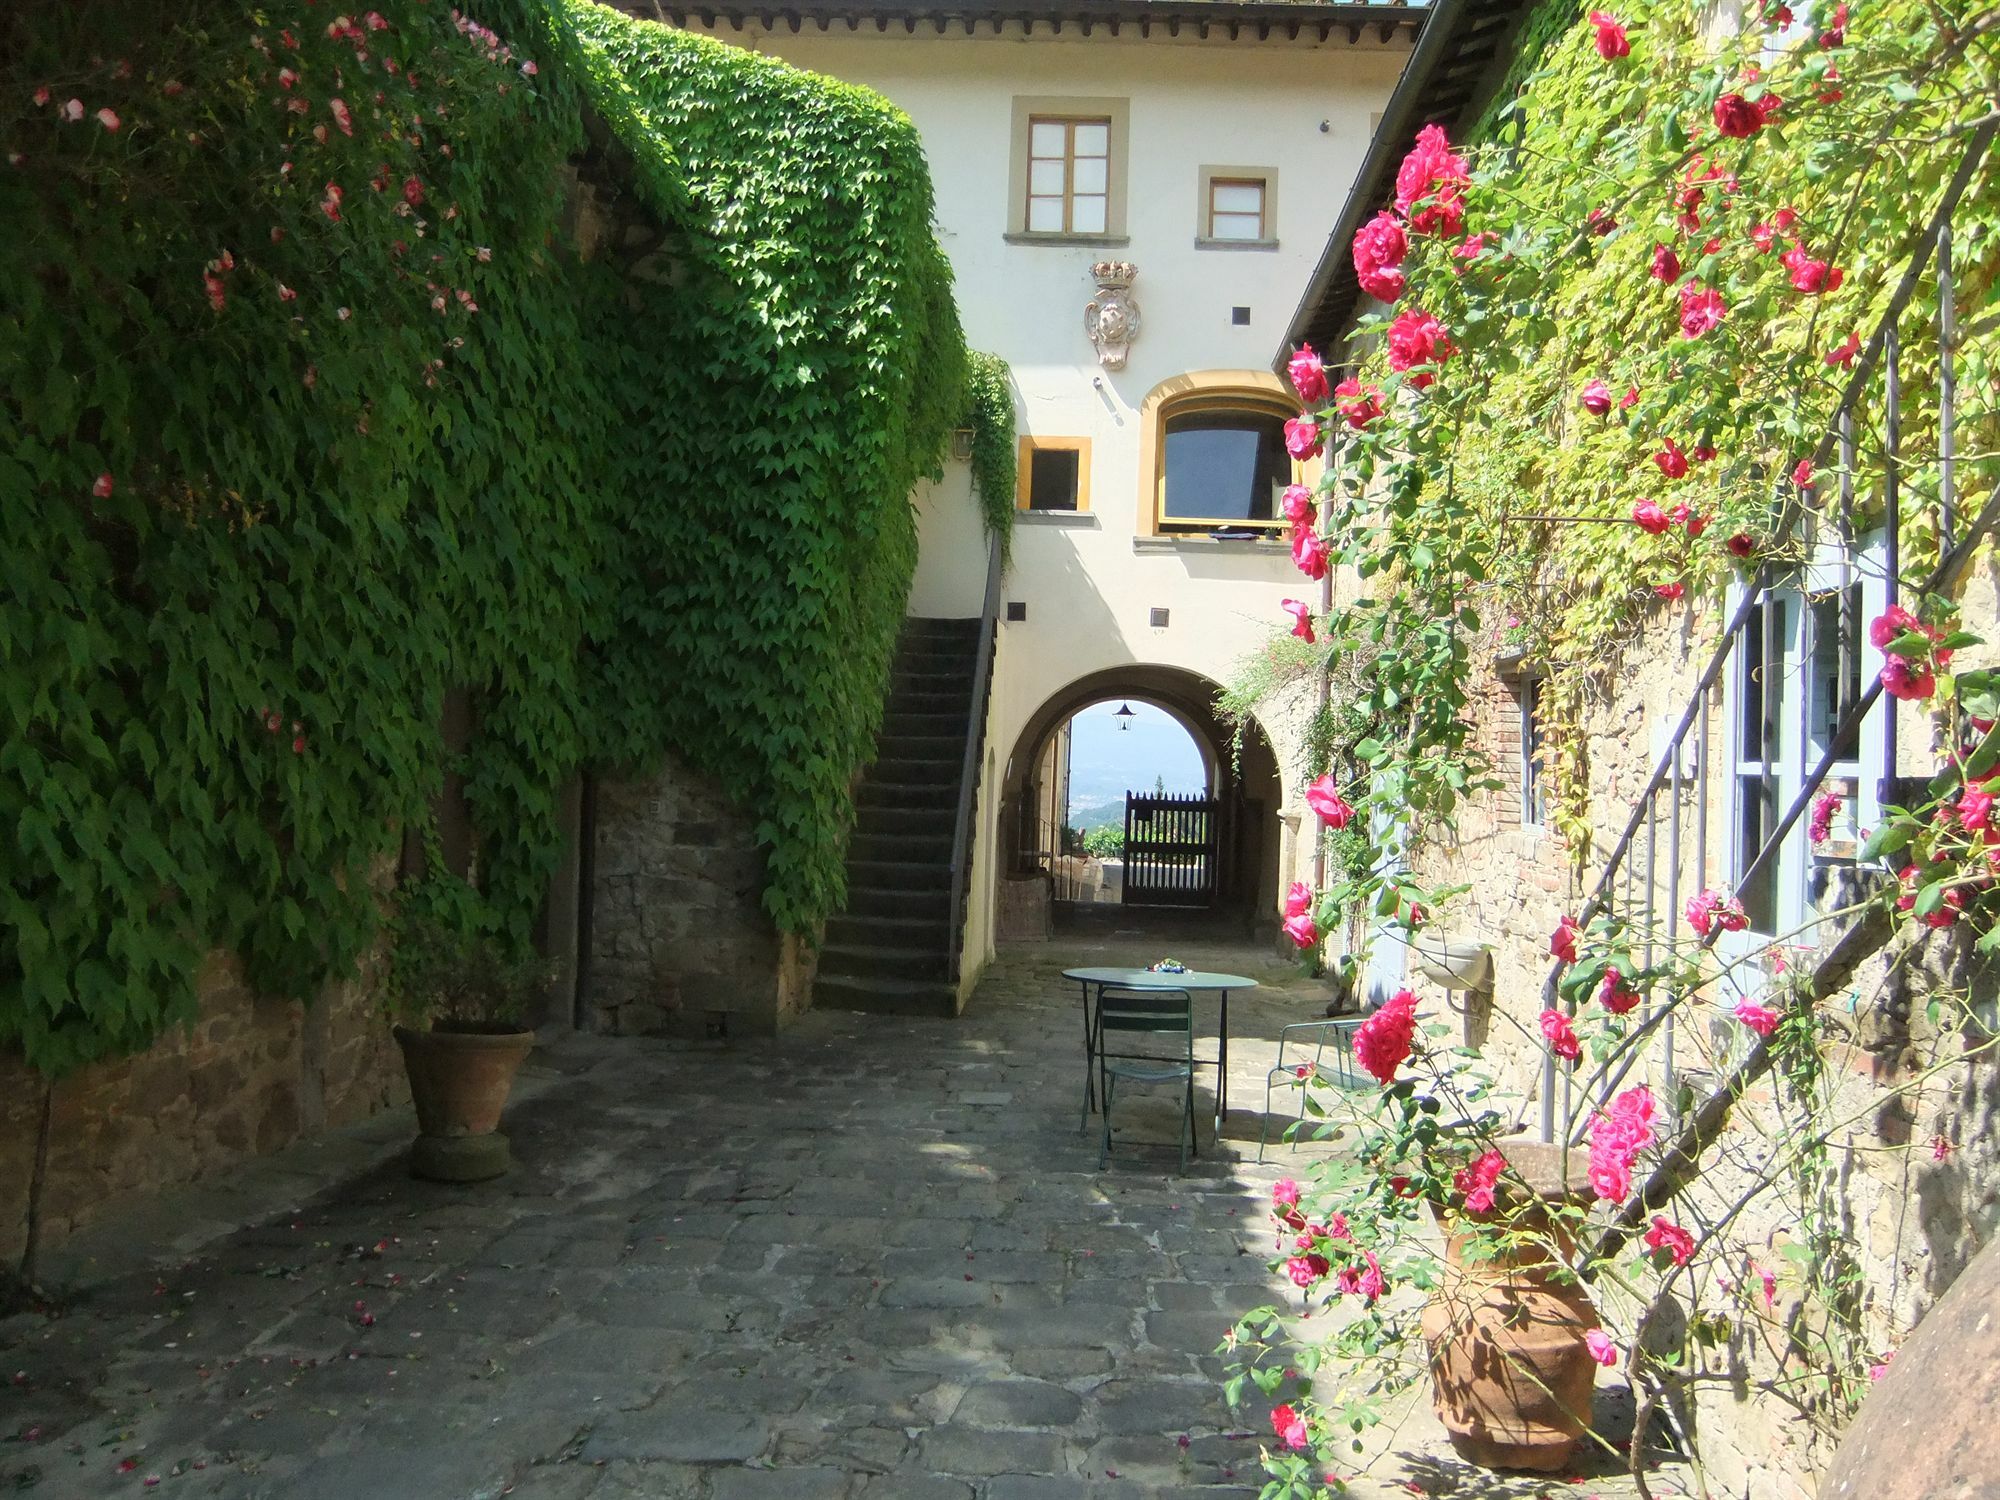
461,996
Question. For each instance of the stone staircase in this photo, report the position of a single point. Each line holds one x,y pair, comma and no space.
890,950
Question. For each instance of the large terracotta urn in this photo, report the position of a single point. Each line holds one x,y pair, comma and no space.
1930,1429
1511,1371
460,1077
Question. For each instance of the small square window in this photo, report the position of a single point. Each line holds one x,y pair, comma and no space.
1054,475
1236,208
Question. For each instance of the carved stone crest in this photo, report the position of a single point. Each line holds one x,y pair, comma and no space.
1111,318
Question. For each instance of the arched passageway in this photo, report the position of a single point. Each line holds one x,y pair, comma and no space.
1232,811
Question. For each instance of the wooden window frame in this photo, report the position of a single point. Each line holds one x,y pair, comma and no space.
1259,403
1070,110
1208,179
1070,158
1263,207
1024,471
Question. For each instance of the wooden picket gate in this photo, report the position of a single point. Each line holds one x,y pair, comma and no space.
1170,850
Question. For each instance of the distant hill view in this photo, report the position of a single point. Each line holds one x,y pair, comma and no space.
1106,762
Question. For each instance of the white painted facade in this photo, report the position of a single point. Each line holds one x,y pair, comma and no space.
1301,110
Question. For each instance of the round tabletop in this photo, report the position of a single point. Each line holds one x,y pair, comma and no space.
1143,979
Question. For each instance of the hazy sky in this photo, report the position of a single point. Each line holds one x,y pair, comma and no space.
1105,762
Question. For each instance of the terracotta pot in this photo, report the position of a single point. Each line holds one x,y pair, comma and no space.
459,1081
1511,1373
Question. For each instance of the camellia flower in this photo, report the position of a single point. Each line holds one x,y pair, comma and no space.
1302,438
1613,997
1617,1136
1383,1041
1739,119
1416,338
1290,1427
1298,899
1672,462
1844,355
1702,310
1379,248
1308,375
1595,398
1325,800
1436,175
1649,518
1477,1181
1562,942
1759,1018
1666,265
1360,404
1809,275
1309,552
1611,42
1296,503
1301,613
1671,1238
1601,1348
1561,1036
1302,930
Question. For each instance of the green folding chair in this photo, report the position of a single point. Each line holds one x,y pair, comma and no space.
1326,1050
1166,1017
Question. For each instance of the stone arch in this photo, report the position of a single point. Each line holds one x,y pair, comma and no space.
1246,784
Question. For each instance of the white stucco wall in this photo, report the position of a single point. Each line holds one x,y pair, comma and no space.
1300,108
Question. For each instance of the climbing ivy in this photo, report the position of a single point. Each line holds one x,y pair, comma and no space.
309,413
990,391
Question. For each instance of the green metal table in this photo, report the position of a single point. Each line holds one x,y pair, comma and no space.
1095,981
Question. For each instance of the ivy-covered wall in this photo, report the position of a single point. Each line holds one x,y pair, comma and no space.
309,413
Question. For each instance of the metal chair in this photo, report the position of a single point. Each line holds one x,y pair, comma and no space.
1316,1038
1165,1014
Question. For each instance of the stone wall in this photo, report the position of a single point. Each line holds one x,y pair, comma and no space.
250,1075
1913,1172
680,942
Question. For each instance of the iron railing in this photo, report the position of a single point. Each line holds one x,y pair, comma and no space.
962,840
1622,884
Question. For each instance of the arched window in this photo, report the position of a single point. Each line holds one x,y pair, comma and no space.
1221,463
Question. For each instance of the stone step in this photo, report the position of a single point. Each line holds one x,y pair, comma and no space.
932,848
868,962
897,768
874,794
900,721
874,902
945,747
909,822
891,997
904,926
898,875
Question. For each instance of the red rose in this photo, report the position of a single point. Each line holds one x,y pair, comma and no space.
1613,996
1360,404
1596,398
1302,620
1297,502
1379,248
1666,265
1382,1042
1649,518
1742,544
1561,1036
1434,175
1911,682
1599,221
1843,357
1611,42
1309,552
1308,376
1670,590
1671,1238
1416,339
1302,439
1673,463
1809,275
1324,798
1702,310
1562,942
102,489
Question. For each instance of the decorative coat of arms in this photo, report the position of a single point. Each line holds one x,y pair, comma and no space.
1111,318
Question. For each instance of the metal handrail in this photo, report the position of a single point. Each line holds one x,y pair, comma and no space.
975,741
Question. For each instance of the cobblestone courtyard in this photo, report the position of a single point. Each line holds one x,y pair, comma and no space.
872,1260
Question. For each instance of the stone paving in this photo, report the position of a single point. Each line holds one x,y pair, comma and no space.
871,1260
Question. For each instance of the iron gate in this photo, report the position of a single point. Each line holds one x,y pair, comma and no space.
1170,845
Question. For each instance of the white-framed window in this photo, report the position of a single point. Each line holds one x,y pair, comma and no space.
1797,668
1066,174
1237,209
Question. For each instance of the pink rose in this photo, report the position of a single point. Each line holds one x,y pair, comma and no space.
108,118
1379,248
1613,997
1370,1283
1285,1192
102,489
1290,1427
1666,265
73,111
1911,684
1671,1238
1561,1036
1975,809
1843,357
1477,1181
1802,474
342,116
1434,174
1611,42
1670,590
1298,899
1826,807
1302,623
1308,376
1601,1348
1302,931
1616,1139
1649,518
1309,552
1737,118
1296,503
1383,1042
1325,800
1672,462
1360,404
1809,275
1760,1019
1702,310
1893,623
1302,438
1596,398
1562,942
1418,339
